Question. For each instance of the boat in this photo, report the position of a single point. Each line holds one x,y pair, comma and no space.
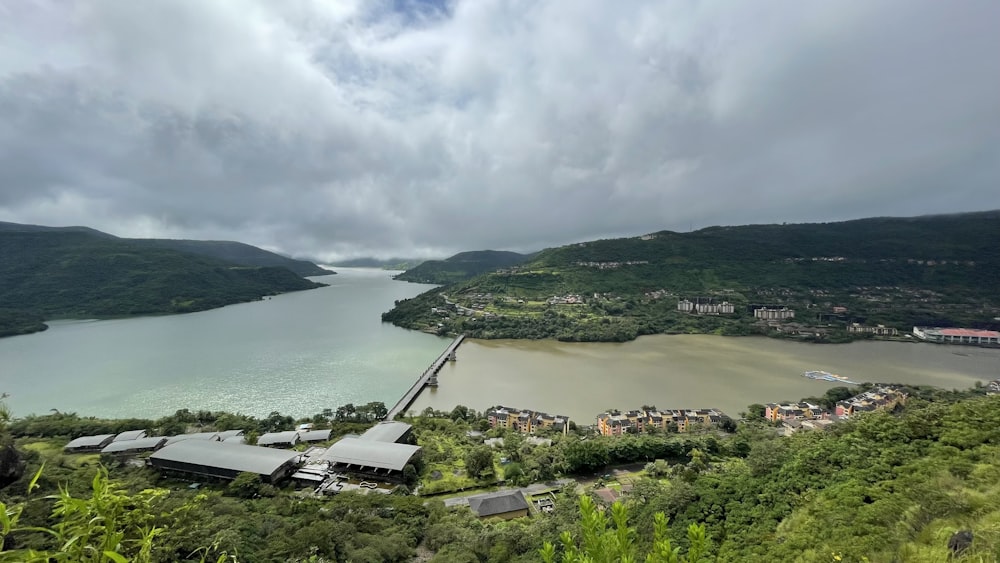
827,376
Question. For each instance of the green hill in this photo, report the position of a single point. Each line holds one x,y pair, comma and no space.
462,266
73,273
935,270
234,252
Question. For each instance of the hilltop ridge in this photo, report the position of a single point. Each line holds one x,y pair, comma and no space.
933,270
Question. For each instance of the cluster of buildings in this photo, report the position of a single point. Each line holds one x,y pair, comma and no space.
380,454
616,423
773,314
706,306
611,265
883,397
957,335
878,330
525,421
565,300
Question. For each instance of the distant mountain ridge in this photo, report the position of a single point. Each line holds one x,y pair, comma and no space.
78,272
230,251
934,270
462,266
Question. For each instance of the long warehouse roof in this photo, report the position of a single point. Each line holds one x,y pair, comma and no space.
234,457
369,453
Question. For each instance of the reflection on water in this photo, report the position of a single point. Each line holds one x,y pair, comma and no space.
685,371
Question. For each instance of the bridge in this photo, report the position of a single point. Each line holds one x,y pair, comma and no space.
426,379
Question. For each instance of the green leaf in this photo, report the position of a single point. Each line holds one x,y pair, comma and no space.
116,557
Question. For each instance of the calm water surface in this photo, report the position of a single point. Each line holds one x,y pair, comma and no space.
296,353
691,371
302,352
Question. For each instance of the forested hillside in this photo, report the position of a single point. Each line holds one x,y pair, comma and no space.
77,274
462,266
881,487
936,270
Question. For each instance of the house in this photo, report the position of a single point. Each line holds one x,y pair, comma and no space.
314,436
130,435
993,388
379,453
774,314
957,335
794,411
616,423
502,504
133,447
878,330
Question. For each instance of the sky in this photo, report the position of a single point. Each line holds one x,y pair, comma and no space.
342,128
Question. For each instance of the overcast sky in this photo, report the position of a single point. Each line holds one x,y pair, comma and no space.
339,128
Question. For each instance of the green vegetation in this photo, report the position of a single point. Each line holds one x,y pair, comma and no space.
79,274
937,270
236,253
884,486
462,266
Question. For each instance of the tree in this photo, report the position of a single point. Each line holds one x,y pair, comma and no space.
604,540
479,461
585,456
245,485
756,411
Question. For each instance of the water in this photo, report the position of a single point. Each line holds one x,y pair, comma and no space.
302,352
296,353
689,371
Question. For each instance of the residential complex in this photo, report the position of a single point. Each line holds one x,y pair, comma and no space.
616,423
707,306
957,335
794,411
525,421
774,314
882,397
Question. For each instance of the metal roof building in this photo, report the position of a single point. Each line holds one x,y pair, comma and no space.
501,504
209,436
130,435
128,447
89,443
369,456
279,439
314,436
224,461
388,431
226,434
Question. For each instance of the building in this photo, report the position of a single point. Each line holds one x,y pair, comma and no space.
285,439
794,411
525,421
705,306
314,436
376,454
957,335
207,436
130,435
389,431
616,423
878,330
229,434
880,398
89,444
217,460
134,447
774,314
370,458
502,504
993,388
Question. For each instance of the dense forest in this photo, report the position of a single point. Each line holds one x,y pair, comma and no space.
462,266
883,486
935,270
80,273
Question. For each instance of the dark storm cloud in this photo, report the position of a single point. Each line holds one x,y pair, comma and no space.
335,129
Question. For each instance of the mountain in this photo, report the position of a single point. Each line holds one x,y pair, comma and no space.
235,252
77,273
238,253
462,266
931,270
384,263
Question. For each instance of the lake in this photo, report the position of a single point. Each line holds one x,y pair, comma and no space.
302,352
295,353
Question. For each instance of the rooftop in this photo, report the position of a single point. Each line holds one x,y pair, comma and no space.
371,453
500,502
233,457
130,435
89,441
388,431
287,437
130,445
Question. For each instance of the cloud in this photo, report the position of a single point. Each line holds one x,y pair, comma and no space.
350,128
